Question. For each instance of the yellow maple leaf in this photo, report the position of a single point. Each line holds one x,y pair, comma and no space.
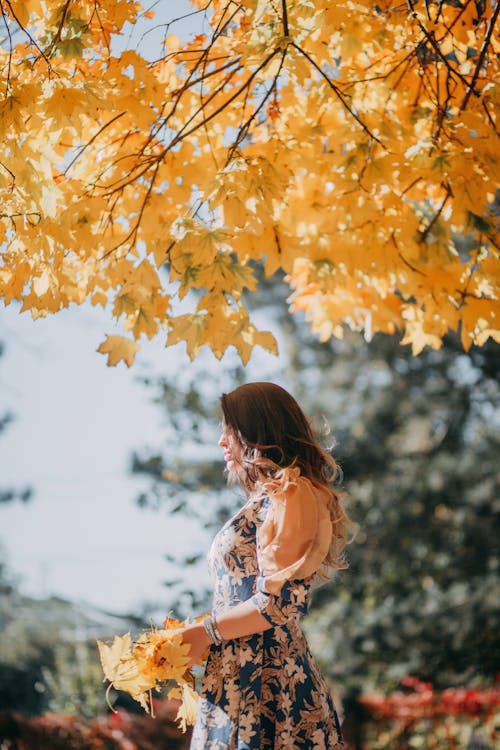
187,710
156,658
186,328
122,670
172,655
118,348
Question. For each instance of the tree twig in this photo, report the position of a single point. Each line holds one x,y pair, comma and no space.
337,93
286,31
32,41
482,55
96,135
58,34
422,236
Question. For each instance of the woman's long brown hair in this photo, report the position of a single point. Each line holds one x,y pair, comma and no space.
275,437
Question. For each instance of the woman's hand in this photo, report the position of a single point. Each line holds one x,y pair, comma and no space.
199,641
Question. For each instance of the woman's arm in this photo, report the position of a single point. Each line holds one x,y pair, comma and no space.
236,622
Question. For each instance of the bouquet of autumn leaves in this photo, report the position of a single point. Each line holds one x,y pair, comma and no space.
157,659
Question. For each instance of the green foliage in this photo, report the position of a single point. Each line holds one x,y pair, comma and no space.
29,637
74,684
48,654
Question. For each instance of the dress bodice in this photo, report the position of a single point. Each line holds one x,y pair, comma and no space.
233,562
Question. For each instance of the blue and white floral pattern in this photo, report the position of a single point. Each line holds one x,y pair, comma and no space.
263,691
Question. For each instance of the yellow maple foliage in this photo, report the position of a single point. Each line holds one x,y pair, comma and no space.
119,348
354,146
156,658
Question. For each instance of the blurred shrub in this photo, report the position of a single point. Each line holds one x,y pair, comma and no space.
48,655
417,716
75,682
120,731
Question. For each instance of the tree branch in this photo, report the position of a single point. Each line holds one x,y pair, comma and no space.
96,135
482,55
286,31
337,93
9,64
244,128
32,41
422,236
57,35
490,118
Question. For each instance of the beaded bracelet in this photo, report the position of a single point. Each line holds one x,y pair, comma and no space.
212,630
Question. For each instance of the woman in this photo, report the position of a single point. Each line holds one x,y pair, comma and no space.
262,689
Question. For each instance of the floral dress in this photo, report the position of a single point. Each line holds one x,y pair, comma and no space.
262,691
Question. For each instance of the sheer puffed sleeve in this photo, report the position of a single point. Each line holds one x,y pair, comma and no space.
292,543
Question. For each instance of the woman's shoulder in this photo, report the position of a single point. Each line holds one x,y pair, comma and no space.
296,534
293,487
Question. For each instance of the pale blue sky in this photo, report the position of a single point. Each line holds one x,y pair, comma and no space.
76,424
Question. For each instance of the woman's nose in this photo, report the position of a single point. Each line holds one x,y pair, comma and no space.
223,440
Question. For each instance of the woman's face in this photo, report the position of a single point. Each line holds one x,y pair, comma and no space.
232,448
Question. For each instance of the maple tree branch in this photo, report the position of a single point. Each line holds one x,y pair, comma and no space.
32,41
286,31
202,61
132,235
182,135
57,36
482,55
166,26
243,131
460,13
406,262
105,34
12,185
464,292
429,36
220,28
89,143
163,122
476,296
441,108
490,118
412,267
337,93
25,215
276,237
205,75
422,235
109,219
412,184
9,64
